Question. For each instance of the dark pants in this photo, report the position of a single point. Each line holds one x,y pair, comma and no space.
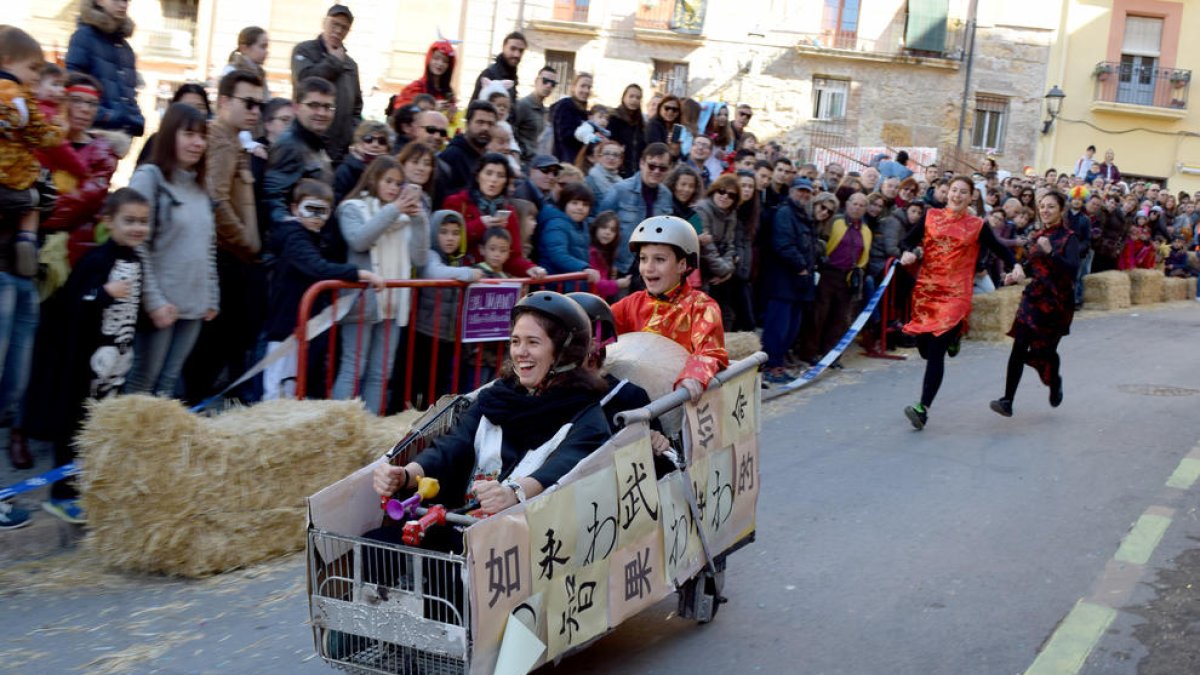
737,308
227,344
780,327
1044,360
831,313
933,350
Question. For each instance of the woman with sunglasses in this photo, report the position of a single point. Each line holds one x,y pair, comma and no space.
370,141
948,245
666,116
715,221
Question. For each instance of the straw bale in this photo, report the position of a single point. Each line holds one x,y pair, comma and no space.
1193,260
1191,285
1145,286
171,492
992,314
1106,290
741,344
1175,288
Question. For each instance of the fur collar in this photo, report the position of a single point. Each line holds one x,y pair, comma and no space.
90,14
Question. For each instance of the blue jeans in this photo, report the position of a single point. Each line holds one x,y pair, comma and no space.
18,328
781,325
373,361
158,357
1085,268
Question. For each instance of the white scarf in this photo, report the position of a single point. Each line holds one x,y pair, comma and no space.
390,260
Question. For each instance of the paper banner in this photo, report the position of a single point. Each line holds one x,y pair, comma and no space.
718,502
498,555
637,499
681,545
739,401
745,497
576,607
552,536
596,517
520,650
703,429
636,578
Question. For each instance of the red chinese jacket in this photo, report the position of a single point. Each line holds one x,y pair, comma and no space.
687,316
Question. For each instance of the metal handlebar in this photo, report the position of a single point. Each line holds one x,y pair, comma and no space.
677,398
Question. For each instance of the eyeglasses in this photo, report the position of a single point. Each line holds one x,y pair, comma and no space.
552,83
823,207
251,103
436,131
316,106
670,108
732,194
375,139
657,168
90,104
614,155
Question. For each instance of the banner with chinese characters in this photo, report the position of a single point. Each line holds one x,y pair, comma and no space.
612,538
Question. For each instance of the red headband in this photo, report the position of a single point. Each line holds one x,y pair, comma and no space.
83,89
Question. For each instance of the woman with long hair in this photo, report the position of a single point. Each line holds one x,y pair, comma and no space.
385,221
665,117
628,127
608,157
250,55
948,245
686,188
567,114
1047,304
485,204
180,288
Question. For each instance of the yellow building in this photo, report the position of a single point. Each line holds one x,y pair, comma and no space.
1125,67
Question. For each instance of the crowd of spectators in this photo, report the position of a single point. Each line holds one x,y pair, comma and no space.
248,200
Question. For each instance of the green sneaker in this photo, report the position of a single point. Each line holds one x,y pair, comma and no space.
918,415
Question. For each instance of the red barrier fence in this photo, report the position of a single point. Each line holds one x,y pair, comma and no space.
888,311
436,354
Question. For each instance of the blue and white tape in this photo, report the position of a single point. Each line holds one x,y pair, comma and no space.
52,476
813,373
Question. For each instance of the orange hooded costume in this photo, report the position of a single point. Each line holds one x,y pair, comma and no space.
438,87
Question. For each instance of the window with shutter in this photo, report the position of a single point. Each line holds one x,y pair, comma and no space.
926,28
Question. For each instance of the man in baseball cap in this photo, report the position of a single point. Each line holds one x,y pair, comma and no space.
542,183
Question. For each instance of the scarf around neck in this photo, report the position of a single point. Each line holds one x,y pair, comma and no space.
487,206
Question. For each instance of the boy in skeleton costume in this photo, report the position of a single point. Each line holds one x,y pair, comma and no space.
88,337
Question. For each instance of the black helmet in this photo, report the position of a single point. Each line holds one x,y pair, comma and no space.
566,312
604,326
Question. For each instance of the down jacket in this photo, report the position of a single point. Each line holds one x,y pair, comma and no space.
99,48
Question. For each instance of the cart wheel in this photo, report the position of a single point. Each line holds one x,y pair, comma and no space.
700,597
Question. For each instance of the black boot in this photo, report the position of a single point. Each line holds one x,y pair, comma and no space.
1056,391
18,450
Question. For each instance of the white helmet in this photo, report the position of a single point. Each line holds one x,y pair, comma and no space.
669,230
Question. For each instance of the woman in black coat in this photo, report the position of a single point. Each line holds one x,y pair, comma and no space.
628,127
513,442
567,114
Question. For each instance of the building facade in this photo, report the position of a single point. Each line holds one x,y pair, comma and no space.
1126,68
830,79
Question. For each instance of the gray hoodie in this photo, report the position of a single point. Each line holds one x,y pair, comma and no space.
439,265
180,258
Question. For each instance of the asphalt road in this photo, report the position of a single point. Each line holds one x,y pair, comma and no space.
964,548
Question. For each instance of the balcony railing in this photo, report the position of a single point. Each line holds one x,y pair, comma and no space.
681,16
571,10
891,40
1146,85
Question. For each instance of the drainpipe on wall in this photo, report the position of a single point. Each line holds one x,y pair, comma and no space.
969,38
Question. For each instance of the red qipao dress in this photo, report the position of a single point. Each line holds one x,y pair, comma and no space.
687,316
942,296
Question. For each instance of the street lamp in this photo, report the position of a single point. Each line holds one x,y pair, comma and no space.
1054,100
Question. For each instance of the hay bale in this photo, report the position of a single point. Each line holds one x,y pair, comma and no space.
1191,285
992,314
170,492
742,344
1175,288
1145,286
1106,290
